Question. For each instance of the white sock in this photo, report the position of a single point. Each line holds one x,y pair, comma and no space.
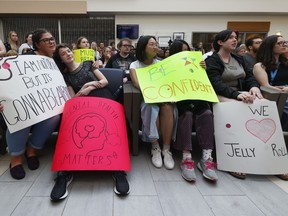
206,154
187,155
166,147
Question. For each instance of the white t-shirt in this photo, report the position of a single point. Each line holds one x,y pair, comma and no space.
138,64
24,46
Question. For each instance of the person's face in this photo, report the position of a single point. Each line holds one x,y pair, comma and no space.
93,46
107,52
29,39
125,48
230,44
66,55
47,44
256,44
101,45
84,44
185,47
151,48
14,37
241,51
280,47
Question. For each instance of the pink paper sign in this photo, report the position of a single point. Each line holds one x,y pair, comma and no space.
92,136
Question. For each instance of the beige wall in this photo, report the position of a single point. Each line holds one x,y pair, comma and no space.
43,7
189,6
165,25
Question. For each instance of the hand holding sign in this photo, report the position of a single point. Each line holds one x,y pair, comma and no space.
178,77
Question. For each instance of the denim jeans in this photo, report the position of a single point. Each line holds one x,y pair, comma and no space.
40,132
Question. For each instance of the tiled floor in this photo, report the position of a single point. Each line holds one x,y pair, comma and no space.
158,192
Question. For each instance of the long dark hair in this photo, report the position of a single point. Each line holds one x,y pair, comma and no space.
141,46
57,57
176,46
265,53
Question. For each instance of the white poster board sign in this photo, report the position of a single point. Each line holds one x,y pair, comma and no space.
249,138
32,89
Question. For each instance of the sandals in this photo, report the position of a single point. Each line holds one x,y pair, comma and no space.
238,175
17,172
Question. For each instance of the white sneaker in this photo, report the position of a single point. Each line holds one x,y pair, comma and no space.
168,159
156,157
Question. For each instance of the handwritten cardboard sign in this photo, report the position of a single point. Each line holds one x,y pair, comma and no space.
81,55
92,136
249,138
32,89
178,77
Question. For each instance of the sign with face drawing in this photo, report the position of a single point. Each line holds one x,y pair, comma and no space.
92,136
249,138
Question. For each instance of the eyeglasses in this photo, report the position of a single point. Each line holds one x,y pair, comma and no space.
47,40
282,43
127,45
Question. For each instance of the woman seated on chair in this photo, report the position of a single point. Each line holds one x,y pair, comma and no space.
229,76
82,80
272,68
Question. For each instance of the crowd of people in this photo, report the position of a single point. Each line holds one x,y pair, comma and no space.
235,72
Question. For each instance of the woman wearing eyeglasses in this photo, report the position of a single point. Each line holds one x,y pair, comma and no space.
272,68
19,143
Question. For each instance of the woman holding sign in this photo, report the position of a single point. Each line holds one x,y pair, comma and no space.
82,80
229,75
199,113
83,43
162,116
19,143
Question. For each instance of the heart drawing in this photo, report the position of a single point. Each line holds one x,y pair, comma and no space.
263,129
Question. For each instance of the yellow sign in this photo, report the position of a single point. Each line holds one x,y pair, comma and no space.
178,77
81,55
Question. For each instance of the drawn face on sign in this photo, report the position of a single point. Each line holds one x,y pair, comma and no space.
90,128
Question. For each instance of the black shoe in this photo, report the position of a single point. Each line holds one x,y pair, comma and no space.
32,162
59,190
121,183
17,172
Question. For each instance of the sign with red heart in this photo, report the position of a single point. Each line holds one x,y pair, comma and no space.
249,138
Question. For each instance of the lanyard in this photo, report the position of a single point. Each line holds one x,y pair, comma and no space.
273,74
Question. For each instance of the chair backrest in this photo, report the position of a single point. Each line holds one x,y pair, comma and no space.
114,77
277,96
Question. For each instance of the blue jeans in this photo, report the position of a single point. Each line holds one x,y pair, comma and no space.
40,132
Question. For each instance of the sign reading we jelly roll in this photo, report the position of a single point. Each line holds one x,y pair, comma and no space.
32,89
249,138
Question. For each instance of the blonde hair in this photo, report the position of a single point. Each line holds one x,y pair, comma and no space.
11,53
14,46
